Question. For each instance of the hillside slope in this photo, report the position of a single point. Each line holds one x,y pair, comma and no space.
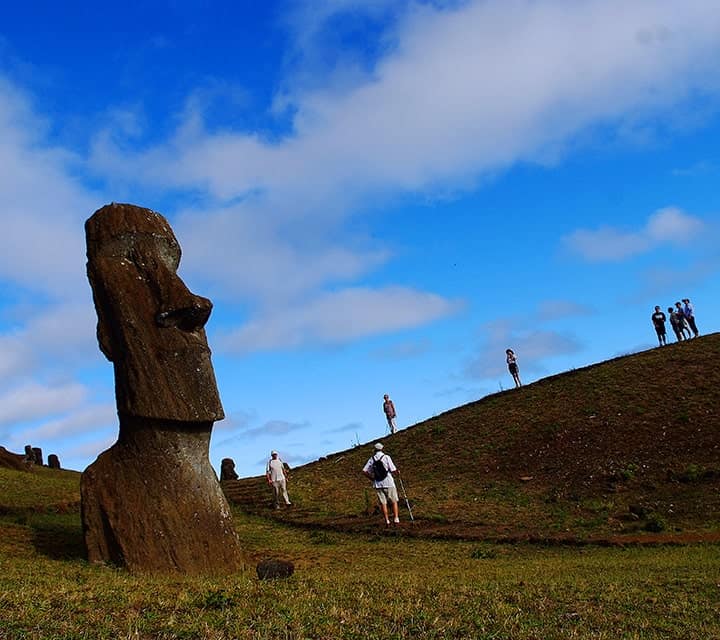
628,449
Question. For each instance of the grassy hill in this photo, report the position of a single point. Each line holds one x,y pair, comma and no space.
625,450
588,444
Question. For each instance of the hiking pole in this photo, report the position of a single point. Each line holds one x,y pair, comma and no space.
407,502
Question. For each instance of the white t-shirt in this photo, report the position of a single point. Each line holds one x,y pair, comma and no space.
275,469
388,480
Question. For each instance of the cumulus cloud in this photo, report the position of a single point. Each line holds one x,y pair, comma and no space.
273,428
86,419
531,343
666,227
531,348
42,204
32,401
556,309
338,317
462,91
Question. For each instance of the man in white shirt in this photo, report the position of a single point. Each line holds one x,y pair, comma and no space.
380,468
277,479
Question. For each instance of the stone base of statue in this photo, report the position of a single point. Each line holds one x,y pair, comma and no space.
152,502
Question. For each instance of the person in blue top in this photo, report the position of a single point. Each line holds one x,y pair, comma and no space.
690,317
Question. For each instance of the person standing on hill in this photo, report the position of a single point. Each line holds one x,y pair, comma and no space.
690,316
681,314
676,322
390,415
276,475
658,320
511,360
380,469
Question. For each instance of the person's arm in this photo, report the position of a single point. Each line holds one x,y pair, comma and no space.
367,468
392,409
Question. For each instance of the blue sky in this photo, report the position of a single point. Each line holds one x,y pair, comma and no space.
378,196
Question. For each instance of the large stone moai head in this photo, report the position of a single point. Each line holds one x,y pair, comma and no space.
150,326
152,501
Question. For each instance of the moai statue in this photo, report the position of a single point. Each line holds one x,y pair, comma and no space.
227,469
152,501
53,461
29,455
37,454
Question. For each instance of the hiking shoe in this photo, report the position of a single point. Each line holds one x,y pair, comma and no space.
397,521
387,523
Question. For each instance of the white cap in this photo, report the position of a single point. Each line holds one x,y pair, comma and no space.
378,446
273,453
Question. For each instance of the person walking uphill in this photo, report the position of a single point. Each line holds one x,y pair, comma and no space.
380,468
277,479
389,410
658,319
511,360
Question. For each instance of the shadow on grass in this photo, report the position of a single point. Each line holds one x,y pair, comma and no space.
57,537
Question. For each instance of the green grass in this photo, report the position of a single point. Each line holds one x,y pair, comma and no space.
606,453
366,586
618,433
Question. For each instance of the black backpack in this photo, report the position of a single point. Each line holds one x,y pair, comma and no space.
379,470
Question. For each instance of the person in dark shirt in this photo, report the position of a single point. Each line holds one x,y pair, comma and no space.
511,360
658,320
676,322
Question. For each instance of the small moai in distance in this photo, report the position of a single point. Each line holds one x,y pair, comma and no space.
152,502
227,469
53,461
38,455
29,455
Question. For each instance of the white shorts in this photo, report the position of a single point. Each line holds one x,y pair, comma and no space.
387,493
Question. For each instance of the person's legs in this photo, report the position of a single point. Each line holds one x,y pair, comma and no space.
693,326
382,499
276,493
283,489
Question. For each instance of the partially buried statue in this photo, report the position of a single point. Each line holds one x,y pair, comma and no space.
152,501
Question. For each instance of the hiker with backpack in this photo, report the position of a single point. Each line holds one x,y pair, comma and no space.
380,468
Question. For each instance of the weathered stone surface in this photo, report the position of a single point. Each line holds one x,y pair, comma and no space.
38,455
227,469
272,568
29,454
9,460
53,461
152,501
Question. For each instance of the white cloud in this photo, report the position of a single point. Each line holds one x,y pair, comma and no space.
463,91
666,227
244,252
42,207
531,347
33,401
343,316
556,309
88,419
